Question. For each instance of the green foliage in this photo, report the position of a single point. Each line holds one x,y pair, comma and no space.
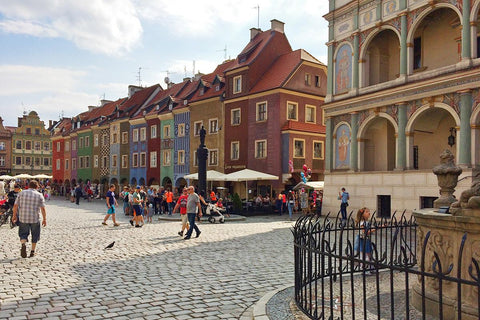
237,203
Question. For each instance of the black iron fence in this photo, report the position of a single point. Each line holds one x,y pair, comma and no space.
347,271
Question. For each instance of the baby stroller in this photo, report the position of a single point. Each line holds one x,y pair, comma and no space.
6,213
214,213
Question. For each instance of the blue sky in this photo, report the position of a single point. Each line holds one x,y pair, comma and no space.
59,57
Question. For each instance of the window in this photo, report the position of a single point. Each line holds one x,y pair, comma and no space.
167,155
87,141
18,160
58,164
124,160
67,145
213,125
37,131
58,146
195,159
308,79
18,144
37,145
260,149
197,126
417,53
202,91
67,164
135,160
74,144
166,132
236,117
213,157
105,141
74,164
317,81
237,84
153,159
310,114
143,134
2,161
28,161
114,160
292,111
318,149
234,150
135,135
28,130
104,162
46,146
124,137
114,137
37,161
95,140
143,159
95,161
262,111
153,132
80,142
181,156
298,148
87,162
181,130
47,161
81,164
28,145
2,145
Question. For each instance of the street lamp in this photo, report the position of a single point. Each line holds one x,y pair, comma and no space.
32,168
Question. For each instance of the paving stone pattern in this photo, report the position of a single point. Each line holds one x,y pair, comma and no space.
150,273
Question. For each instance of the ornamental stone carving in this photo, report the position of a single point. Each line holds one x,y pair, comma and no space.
447,174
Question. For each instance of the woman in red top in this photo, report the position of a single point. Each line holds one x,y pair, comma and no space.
213,197
182,204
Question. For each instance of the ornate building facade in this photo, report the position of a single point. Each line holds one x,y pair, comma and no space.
403,85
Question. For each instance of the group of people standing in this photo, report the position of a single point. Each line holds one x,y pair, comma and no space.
294,201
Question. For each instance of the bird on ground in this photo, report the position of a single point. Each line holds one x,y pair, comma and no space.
110,245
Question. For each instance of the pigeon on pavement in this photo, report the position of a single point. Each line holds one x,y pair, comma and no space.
110,245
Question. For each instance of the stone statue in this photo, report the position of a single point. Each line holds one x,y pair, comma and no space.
470,199
447,174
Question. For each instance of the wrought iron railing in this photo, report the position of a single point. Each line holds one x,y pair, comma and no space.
335,279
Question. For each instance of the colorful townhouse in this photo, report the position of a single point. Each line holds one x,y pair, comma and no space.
59,163
5,148
32,151
403,86
273,114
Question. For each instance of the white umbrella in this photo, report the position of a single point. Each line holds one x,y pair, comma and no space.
6,177
22,176
247,175
212,175
42,176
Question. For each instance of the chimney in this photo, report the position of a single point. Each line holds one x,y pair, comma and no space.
254,32
90,108
132,89
104,102
277,25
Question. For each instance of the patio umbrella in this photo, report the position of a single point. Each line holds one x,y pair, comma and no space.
22,176
212,175
42,176
6,177
248,175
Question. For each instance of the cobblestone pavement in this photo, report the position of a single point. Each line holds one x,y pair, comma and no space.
150,273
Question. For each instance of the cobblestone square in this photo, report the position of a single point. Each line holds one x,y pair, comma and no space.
150,273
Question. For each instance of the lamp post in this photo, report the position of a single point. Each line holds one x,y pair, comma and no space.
452,136
202,154
31,166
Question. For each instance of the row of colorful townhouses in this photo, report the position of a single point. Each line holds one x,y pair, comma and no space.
261,111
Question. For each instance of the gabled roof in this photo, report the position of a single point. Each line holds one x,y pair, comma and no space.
210,81
281,70
132,104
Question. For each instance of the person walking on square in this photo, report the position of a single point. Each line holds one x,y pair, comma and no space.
343,196
111,204
182,204
137,208
169,199
78,194
28,205
193,206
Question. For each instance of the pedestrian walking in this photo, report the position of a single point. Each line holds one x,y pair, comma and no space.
343,196
182,204
193,206
111,204
363,242
137,208
290,203
28,205
78,194
169,199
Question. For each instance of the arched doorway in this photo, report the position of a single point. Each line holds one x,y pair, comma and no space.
133,182
181,183
382,58
429,137
141,181
167,183
378,150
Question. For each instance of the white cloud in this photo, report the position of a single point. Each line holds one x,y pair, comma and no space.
109,27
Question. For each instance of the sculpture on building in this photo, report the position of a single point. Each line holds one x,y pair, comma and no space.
470,199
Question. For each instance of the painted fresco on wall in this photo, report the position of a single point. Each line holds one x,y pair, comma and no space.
342,158
390,7
343,69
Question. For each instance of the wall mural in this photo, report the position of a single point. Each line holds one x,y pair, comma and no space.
343,69
342,155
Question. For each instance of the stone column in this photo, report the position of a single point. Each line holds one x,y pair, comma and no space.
354,143
465,143
355,61
202,155
328,144
466,41
330,72
401,137
403,45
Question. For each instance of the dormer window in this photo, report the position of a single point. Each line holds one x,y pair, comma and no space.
202,91
237,84
217,87
185,102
